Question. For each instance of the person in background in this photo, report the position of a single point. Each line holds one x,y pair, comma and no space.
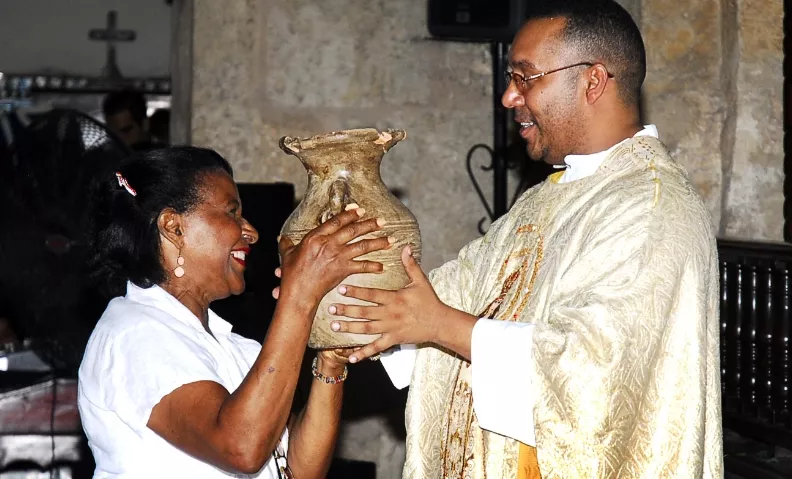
125,115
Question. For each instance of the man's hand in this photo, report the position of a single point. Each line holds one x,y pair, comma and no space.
412,315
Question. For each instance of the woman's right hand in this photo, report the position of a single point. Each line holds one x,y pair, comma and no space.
325,256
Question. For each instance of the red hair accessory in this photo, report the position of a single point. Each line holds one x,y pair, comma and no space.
123,182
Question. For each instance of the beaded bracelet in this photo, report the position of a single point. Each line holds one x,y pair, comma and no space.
327,379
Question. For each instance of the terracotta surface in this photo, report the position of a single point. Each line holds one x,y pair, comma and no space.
343,168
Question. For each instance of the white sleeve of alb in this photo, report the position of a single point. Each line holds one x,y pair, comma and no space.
399,363
502,391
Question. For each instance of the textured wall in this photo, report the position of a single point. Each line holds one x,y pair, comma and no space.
268,68
714,89
754,199
683,92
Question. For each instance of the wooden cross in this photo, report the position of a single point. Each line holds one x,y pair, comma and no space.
111,35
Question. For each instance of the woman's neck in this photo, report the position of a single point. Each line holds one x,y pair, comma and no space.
192,300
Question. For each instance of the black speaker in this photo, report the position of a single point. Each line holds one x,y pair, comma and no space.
266,206
476,20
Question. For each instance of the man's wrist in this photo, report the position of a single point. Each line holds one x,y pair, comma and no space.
456,331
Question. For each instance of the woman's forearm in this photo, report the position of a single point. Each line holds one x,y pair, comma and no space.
312,439
257,412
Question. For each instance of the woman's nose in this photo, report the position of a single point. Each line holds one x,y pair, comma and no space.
249,232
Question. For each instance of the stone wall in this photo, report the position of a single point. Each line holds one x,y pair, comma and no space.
754,197
714,89
268,68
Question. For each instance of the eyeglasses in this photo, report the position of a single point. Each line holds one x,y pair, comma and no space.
522,82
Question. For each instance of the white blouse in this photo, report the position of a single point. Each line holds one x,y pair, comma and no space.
146,345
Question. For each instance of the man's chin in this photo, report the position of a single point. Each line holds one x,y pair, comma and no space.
536,156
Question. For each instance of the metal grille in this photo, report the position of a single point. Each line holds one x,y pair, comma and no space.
756,283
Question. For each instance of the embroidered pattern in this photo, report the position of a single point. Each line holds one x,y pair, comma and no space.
461,423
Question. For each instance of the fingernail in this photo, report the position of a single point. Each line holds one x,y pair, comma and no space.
409,250
335,326
278,238
381,222
391,239
351,206
342,289
332,309
352,359
360,211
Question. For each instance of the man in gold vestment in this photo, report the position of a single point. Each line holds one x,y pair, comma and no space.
579,337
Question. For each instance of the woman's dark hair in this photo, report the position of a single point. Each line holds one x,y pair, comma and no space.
125,235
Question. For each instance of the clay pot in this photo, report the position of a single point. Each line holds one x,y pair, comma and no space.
343,168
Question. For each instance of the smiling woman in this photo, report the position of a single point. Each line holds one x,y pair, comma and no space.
165,388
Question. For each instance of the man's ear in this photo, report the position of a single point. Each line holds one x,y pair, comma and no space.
596,79
171,227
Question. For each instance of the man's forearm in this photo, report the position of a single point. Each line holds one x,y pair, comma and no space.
312,439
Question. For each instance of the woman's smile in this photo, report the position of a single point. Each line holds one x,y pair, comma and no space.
240,254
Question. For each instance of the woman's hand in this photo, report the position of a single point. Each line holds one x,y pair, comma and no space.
325,255
332,361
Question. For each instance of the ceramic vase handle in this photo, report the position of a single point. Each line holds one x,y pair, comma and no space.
339,198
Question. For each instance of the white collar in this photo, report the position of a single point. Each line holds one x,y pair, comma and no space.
161,299
581,166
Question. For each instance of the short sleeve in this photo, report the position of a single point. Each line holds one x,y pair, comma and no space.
129,373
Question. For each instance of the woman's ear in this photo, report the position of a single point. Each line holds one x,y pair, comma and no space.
171,227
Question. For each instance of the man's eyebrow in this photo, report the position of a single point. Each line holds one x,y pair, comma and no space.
522,64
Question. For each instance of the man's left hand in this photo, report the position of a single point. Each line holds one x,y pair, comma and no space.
407,316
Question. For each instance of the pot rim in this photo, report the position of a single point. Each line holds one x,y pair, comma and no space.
387,137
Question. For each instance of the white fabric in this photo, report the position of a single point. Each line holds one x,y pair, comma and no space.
499,353
398,363
581,166
146,345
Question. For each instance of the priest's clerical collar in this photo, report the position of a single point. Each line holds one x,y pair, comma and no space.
581,166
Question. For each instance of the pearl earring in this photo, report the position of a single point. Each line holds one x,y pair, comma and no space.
179,271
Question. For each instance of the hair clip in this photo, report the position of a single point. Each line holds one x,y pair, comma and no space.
123,182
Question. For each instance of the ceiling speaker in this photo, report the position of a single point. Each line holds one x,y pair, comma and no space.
476,20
